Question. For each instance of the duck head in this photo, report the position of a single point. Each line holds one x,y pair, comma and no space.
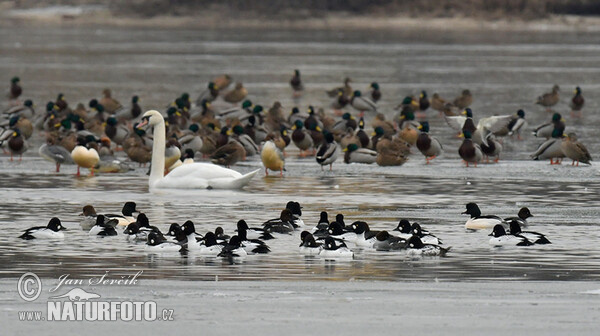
498,231
403,226
55,225
472,209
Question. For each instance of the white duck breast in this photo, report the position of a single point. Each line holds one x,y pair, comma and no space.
509,240
51,231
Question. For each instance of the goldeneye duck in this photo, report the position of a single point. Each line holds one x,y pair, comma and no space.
220,234
404,229
477,221
384,241
333,251
534,237
364,236
296,210
521,218
426,237
52,230
253,233
336,230
129,214
252,246
157,243
210,246
172,229
144,225
500,238
104,227
233,249
283,224
417,247
193,238
134,234
320,230
340,219
309,246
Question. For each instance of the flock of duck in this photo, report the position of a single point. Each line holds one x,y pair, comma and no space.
222,125
327,239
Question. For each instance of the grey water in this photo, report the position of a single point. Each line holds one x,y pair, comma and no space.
505,71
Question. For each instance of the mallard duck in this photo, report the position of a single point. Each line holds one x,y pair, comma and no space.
137,151
375,92
302,138
354,154
469,151
116,132
223,81
423,101
408,105
328,152
547,130
191,139
236,95
296,115
26,110
275,117
549,99
339,102
110,104
211,93
55,153
249,145
491,147
362,104
131,112
363,137
429,146
575,150
386,125
438,103
17,145
296,84
345,90
577,103
517,124
377,134
349,138
464,100
551,148
62,104
391,155
86,158
22,124
272,158
15,89
409,128
229,154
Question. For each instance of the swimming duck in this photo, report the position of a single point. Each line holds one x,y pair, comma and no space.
309,246
464,100
283,224
547,130
534,237
50,231
134,234
296,84
429,146
577,103
236,95
575,150
469,151
229,154
403,229
104,227
272,158
384,241
417,247
362,104
302,138
331,250
328,152
521,218
501,238
210,245
354,154
255,233
233,249
477,221
211,93
252,246
160,244
55,153
549,99
15,89
110,104
364,236
551,148
16,144
129,214
425,236
320,230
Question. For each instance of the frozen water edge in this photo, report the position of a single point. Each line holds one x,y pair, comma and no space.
339,308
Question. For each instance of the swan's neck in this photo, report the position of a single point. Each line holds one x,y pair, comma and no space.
158,154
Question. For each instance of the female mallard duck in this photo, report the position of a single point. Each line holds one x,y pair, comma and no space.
375,92
546,130
223,81
349,138
464,100
577,103
328,152
409,127
296,84
211,93
22,124
84,157
551,148
55,153
15,89
345,90
354,154
236,95
302,138
469,151
229,154
491,147
110,104
438,103
362,104
549,99
429,146
272,158
17,144
386,125
137,151
392,152
575,150
115,131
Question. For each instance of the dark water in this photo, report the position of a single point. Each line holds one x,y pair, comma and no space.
505,71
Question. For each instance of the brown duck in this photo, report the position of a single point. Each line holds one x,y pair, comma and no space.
575,150
549,99
236,95
464,100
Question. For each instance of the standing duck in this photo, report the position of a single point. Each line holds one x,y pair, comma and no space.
577,103
17,144
517,124
55,153
131,112
302,138
429,146
423,101
363,137
211,93
469,151
491,147
272,158
244,139
464,100
116,132
409,127
438,103
549,99
575,150
296,84
551,148
84,157
15,89
375,92
328,152
345,90
110,104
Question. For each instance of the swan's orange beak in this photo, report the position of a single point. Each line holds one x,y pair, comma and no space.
142,123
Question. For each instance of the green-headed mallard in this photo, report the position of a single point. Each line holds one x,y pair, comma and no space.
551,148
328,152
577,103
191,139
469,151
375,92
547,130
362,104
575,150
26,110
211,93
115,131
354,154
429,146
301,138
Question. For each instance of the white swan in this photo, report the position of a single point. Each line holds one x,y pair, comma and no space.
188,176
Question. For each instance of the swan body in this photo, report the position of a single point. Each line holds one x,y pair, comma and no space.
188,176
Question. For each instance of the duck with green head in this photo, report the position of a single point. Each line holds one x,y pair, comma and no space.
577,103
551,148
355,154
211,93
547,130
429,146
301,138
15,89
469,151
375,92
328,152
361,103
